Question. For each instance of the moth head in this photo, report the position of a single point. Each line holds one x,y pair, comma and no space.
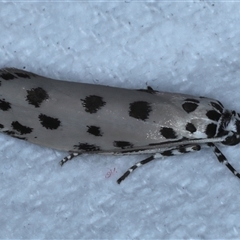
231,126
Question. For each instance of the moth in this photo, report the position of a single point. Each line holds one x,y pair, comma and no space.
85,118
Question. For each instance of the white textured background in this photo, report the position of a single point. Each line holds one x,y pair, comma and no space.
189,47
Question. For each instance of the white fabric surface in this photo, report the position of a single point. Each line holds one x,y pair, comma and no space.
188,47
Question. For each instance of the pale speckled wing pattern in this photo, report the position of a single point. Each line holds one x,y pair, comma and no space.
85,118
79,117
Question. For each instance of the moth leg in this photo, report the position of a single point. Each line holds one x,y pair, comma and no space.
170,152
68,158
131,169
222,159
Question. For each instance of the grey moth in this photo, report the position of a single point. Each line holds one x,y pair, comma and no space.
86,118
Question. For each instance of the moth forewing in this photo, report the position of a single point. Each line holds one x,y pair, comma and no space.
87,118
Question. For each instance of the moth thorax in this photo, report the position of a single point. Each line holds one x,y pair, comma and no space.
231,122
231,127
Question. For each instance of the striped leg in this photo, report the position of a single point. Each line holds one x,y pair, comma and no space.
171,152
68,158
222,159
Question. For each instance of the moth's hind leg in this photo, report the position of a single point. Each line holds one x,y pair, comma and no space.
69,157
170,152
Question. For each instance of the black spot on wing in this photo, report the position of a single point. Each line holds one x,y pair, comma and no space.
211,130
7,76
189,106
168,133
36,96
217,106
122,144
22,75
191,128
94,130
213,115
93,103
4,105
86,147
140,110
49,122
21,129
1,126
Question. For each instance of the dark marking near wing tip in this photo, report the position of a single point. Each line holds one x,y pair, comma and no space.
94,130
7,76
189,106
211,130
49,122
93,103
213,115
148,90
86,147
22,75
168,133
36,96
140,110
122,144
191,128
217,106
21,129
4,105
1,126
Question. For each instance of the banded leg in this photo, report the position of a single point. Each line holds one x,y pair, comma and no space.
222,159
170,152
68,158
